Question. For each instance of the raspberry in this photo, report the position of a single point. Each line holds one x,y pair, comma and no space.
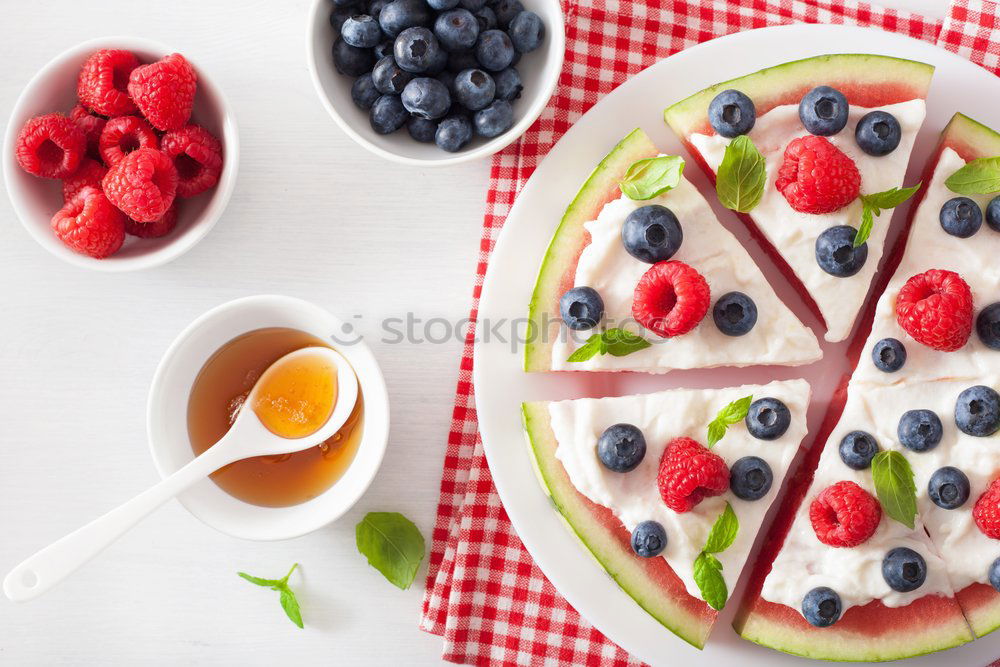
155,229
50,146
670,299
103,80
197,156
88,174
164,91
689,473
935,308
123,135
142,184
92,126
90,224
817,177
986,511
844,515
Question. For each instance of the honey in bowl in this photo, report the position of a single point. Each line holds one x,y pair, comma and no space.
218,394
294,398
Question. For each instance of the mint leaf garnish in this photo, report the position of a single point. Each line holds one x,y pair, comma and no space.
733,413
872,206
616,342
742,176
707,568
652,176
979,177
392,544
894,486
288,601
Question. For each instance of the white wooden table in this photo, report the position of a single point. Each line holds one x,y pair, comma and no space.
313,216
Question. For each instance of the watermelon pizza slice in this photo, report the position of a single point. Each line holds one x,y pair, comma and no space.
641,276
668,490
810,153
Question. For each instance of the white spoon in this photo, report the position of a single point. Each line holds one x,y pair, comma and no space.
248,437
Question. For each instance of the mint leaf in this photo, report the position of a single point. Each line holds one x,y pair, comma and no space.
616,342
270,583
723,532
588,349
742,176
865,230
872,206
979,177
733,413
392,544
652,176
894,486
708,577
288,601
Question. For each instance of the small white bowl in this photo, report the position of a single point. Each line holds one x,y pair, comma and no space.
539,72
166,417
36,200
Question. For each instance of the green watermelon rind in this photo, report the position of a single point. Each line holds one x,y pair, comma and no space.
569,240
610,551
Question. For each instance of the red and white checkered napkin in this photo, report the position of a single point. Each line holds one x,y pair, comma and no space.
485,596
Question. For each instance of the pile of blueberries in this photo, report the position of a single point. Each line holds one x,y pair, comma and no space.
443,68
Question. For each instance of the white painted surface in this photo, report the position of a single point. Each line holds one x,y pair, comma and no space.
312,216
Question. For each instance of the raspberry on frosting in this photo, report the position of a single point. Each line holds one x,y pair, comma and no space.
935,308
986,511
670,299
689,473
844,515
143,184
817,177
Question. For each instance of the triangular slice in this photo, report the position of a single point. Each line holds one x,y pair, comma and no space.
588,250
603,507
788,227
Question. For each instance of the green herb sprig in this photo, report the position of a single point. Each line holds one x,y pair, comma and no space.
733,413
894,486
288,601
707,568
979,177
740,179
392,544
872,206
652,176
616,342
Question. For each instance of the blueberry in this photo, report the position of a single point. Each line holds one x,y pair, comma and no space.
581,308
731,113
768,419
415,49
904,569
948,488
889,355
494,120
823,111
438,62
988,326
387,114
652,233
836,254
351,60
459,61
375,8
649,539
750,478
494,50
337,18
994,574
474,89
961,217
383,49
453,133
506,10
442,5
389,78
363,92
361,31
426,98
821,606
486,18
993,214
472,5
508,84
878,133
977,411
526,32
399,15
857,449
422,129
621,448
456,29
735,314
919,430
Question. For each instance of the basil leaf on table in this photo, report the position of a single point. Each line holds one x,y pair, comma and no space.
392,544
288,601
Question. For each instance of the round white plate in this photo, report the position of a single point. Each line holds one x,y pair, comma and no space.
501,385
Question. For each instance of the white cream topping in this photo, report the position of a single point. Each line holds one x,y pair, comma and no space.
777,339
793,233
633,497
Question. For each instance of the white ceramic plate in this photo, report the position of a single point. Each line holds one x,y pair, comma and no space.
501,385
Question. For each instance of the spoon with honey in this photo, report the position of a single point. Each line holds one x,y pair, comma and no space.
301,400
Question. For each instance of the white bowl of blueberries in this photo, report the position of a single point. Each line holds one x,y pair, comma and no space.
435,82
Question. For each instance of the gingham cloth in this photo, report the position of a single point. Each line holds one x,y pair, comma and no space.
485,596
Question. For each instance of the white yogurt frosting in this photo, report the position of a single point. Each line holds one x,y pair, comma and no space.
633,497
777,339
793,233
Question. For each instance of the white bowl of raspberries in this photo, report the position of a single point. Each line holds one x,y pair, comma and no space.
120,155
435,82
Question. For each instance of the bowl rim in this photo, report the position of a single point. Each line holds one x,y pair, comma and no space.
370,380
175,248
490,147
